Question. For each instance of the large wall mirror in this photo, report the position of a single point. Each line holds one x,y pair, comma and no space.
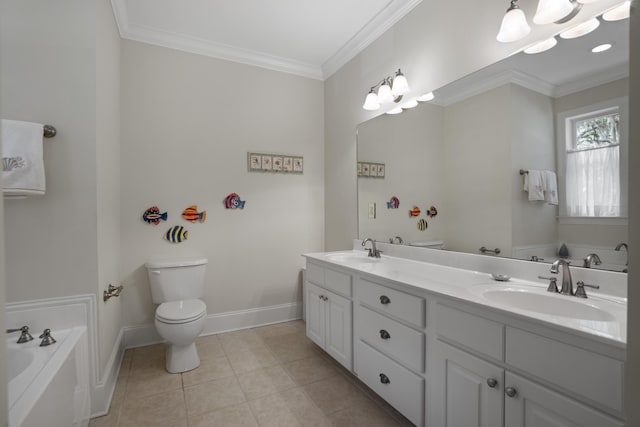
463,153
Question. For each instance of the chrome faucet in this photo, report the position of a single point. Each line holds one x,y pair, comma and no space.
373,251
25,336
567,283
46,337
398,238
591,258
626,248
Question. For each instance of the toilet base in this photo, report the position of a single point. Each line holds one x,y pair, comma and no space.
182,358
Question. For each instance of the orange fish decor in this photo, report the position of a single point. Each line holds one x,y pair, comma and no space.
191,214
414,212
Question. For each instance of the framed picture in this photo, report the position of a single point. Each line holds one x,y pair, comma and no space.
298,164
287,164
266,163
255,162
381,170
276,163
365,169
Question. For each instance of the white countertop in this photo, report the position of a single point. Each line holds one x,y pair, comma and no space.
470,286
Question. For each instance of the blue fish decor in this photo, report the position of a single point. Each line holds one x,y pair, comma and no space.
422,224
176,234
232,201
432,212
153,215
394,203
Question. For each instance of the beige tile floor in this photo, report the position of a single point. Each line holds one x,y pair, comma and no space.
268,376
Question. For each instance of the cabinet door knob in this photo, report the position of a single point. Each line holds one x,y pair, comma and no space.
384,300
384,334
510,391
492,382
384,379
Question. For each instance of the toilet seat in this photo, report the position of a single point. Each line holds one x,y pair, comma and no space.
183,311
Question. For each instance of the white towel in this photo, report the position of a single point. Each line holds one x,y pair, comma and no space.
22,162
550,187
533,184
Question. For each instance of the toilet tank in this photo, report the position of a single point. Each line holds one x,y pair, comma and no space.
176,279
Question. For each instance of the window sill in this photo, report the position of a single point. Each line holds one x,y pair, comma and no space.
592,220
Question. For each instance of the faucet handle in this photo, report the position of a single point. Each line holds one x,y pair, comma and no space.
47,339
25,336
553,283
580,292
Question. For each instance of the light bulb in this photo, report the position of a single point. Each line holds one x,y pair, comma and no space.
542,46
618,13
580,29
384,93
514,25
409,104
426,97
550,11
371,101
400,84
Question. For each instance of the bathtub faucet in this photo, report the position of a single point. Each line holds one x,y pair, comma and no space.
25,336
47,339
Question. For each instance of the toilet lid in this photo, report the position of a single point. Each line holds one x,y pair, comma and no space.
181,311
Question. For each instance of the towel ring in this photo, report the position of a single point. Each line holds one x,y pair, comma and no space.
49,131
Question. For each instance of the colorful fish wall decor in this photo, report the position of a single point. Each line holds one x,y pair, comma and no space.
191,214
432,212
176,234
414,212
422,224
153,216
232,201
394,203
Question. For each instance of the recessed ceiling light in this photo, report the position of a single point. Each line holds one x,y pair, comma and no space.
542,46
618,13
601,48
397,110
581,29
426,97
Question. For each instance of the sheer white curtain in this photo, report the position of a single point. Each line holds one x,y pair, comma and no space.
593,182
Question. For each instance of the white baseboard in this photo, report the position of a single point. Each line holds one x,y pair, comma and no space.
141,335
103,392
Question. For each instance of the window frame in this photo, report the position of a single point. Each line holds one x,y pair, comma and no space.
565,136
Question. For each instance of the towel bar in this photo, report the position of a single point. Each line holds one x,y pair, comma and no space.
523,172
49,131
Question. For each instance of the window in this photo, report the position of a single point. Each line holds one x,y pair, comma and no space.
592,174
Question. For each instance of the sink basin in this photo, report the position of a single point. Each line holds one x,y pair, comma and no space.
539,301
351,257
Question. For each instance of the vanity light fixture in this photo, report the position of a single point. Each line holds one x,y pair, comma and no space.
601,48
429,96
542,46
389,89
409,104
514,24
396,110
620,12
581,29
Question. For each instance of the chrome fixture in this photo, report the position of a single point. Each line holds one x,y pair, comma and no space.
591,258
25,336
373,251
567,283
47,339
112,291
626,248
49,131
484,250
397,238
389,90
536,258
553,284
580,292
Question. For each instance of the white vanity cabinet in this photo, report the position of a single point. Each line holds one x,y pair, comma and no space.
328,314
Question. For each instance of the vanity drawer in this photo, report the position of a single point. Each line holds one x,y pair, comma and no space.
588,374
338,281
395,339
482,335
390,301
315,274
400,387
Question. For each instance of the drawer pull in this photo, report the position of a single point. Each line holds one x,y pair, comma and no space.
492,382
384,334
510,391
384,300
384,379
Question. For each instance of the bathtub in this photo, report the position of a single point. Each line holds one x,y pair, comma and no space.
49,386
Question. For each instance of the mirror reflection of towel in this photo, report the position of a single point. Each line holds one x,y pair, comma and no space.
22,159
534,185
550,187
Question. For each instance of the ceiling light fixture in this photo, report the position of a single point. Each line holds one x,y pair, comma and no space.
389,90
541,46
409,104
514,24
581,29
601,48
558,11
396,110
429,96
620,12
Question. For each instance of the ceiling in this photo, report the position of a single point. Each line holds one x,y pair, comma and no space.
305,37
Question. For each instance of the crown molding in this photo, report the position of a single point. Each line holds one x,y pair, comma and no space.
384,20
392,13
612,74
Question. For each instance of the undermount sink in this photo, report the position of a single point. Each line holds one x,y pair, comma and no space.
539,301
352,257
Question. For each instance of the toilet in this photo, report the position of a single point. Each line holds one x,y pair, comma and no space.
177,285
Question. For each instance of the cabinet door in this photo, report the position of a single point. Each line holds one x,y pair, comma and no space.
315,313
467,391
338,332
535,406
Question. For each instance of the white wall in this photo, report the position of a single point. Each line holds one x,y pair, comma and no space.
187,124
411,146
